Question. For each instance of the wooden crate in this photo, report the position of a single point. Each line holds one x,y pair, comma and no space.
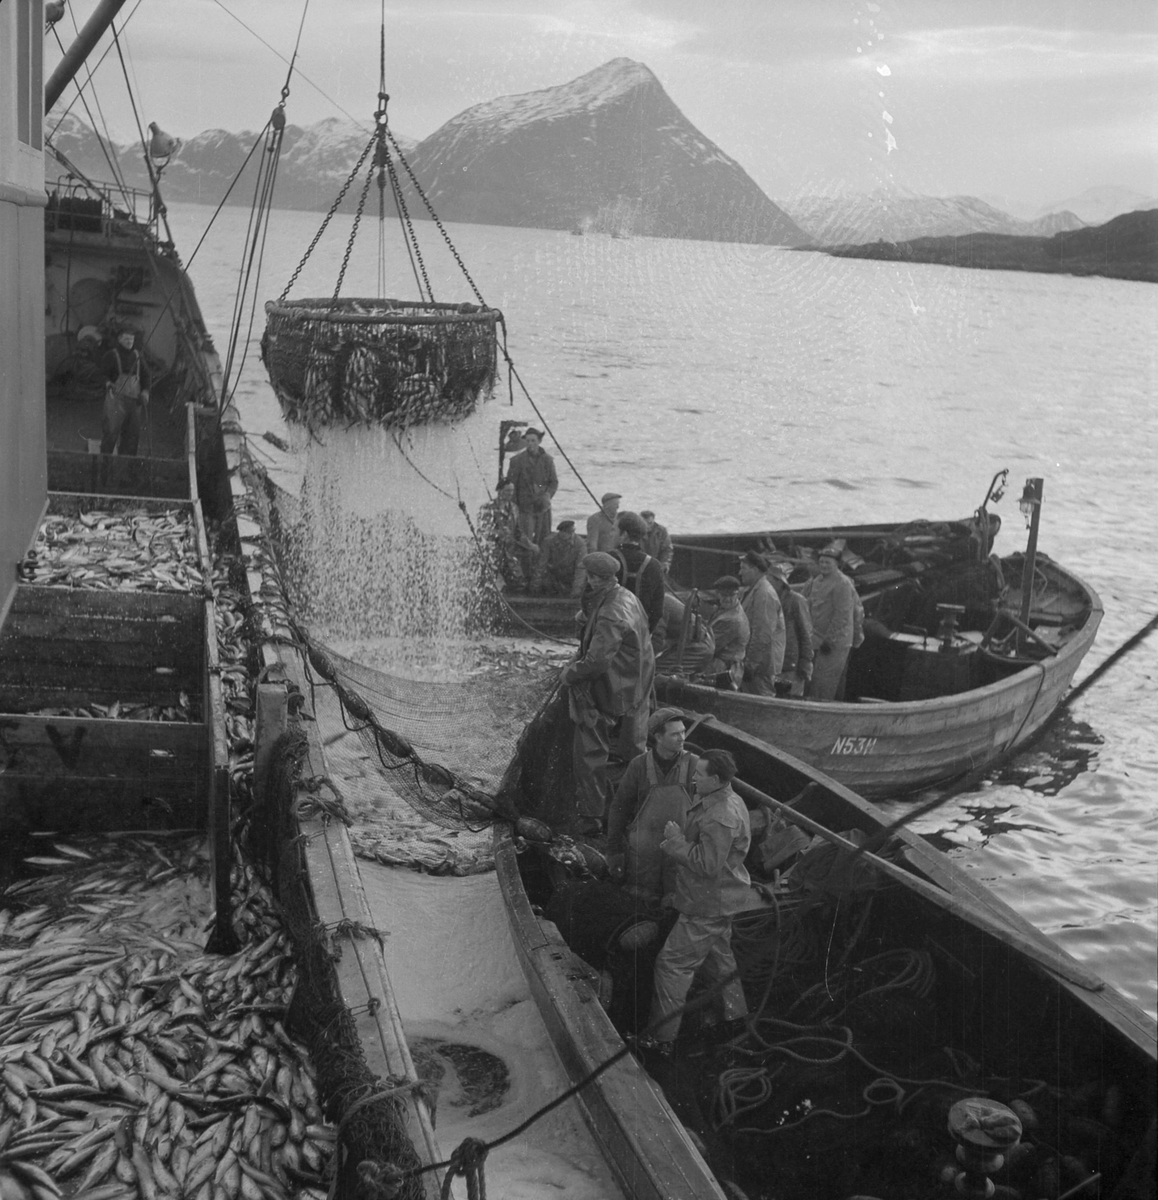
62,648
121,476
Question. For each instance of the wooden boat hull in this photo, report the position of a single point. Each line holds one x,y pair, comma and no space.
643,1140
885,748
916,715
1000,980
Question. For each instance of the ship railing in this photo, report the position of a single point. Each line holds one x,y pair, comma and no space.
82,206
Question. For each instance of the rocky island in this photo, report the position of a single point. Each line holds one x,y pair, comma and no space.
1125,247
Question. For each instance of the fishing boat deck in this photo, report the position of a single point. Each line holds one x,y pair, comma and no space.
113,716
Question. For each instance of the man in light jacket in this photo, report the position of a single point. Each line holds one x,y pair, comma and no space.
761,605
837,617
712,885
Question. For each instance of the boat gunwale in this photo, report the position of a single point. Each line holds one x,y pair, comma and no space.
548,978
933,704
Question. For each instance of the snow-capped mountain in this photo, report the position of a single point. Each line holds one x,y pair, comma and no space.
608,152
853,219
314,161
1098,205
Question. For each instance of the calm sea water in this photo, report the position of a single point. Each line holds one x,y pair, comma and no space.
743,387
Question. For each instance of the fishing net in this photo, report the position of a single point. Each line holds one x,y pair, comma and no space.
441,747
394,363
370,1113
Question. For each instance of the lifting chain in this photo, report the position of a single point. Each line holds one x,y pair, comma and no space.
435,218
329,216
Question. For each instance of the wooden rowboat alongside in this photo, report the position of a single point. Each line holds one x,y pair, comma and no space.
917,712
924,701
881,991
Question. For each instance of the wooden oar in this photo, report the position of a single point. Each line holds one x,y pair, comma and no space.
1040,949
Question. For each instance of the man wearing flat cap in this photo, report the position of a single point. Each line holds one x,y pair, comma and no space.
602,530
533,474
557,568
730,631
761,606
657,541
655,789
837,615
640,573
609,684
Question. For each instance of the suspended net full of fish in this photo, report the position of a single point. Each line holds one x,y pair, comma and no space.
393,363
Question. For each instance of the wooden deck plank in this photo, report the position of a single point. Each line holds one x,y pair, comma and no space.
79,472
166,638
28,687
98,804
95,747
160,607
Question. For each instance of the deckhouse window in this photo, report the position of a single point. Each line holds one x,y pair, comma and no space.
29,74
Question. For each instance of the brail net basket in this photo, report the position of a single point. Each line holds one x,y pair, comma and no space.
394,363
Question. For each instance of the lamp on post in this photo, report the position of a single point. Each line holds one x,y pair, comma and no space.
1030,505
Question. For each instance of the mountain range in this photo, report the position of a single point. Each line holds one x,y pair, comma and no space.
609,153
893,217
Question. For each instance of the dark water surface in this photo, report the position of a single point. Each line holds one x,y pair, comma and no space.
743,387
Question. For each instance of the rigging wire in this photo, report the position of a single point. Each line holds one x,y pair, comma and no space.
162,211
92,72
113,166
257,230
301,74
229,191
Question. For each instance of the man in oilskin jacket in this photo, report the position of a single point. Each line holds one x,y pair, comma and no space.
609,685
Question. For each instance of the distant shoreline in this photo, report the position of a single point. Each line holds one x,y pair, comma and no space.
1124,248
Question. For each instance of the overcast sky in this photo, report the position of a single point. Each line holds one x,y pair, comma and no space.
1030,100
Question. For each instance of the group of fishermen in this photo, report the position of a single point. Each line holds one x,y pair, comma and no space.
677,832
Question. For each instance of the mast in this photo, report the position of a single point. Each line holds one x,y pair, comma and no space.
94,28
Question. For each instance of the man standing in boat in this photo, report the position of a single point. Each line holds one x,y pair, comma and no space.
610,684
641,574
602,529
656,540
730,633
761,605
656,788
126,395
711,886
837,616
533,474
796,670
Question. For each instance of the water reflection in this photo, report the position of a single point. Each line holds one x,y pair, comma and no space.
1066,749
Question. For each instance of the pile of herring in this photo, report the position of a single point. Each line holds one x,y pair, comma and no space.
133,1063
